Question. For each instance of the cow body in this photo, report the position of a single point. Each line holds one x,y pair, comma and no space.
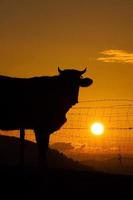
39,103
30,103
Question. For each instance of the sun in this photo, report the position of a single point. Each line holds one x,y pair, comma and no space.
97,128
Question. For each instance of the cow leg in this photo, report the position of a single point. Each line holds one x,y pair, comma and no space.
42,139
22,135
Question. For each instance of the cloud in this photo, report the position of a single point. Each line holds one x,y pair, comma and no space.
119,56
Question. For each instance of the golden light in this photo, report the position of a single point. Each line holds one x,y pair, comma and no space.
97,128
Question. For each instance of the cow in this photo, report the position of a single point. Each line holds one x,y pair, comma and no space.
40,104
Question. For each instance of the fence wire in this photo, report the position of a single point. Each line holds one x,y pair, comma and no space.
112,151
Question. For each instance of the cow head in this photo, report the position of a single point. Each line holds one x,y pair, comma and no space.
72,80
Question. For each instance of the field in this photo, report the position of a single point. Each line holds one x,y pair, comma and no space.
58,181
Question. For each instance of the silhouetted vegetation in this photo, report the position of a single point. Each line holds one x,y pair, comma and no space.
62,146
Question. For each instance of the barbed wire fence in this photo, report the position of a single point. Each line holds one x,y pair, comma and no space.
111,151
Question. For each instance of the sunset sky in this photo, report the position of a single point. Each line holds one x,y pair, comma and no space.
37,36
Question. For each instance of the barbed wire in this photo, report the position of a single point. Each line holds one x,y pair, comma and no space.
109,100
110,128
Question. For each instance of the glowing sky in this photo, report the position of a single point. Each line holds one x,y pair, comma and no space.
37,36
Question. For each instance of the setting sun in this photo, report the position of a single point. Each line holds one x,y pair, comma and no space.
97,128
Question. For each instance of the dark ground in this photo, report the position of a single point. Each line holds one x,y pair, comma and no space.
63,184
65,179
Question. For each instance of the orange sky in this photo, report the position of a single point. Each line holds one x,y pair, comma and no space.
37,36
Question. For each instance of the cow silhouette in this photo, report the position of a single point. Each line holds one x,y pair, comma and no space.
40,104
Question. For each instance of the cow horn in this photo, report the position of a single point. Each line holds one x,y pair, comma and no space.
59,70
83,71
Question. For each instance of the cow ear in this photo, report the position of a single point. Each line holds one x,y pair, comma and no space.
59,70
86,82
